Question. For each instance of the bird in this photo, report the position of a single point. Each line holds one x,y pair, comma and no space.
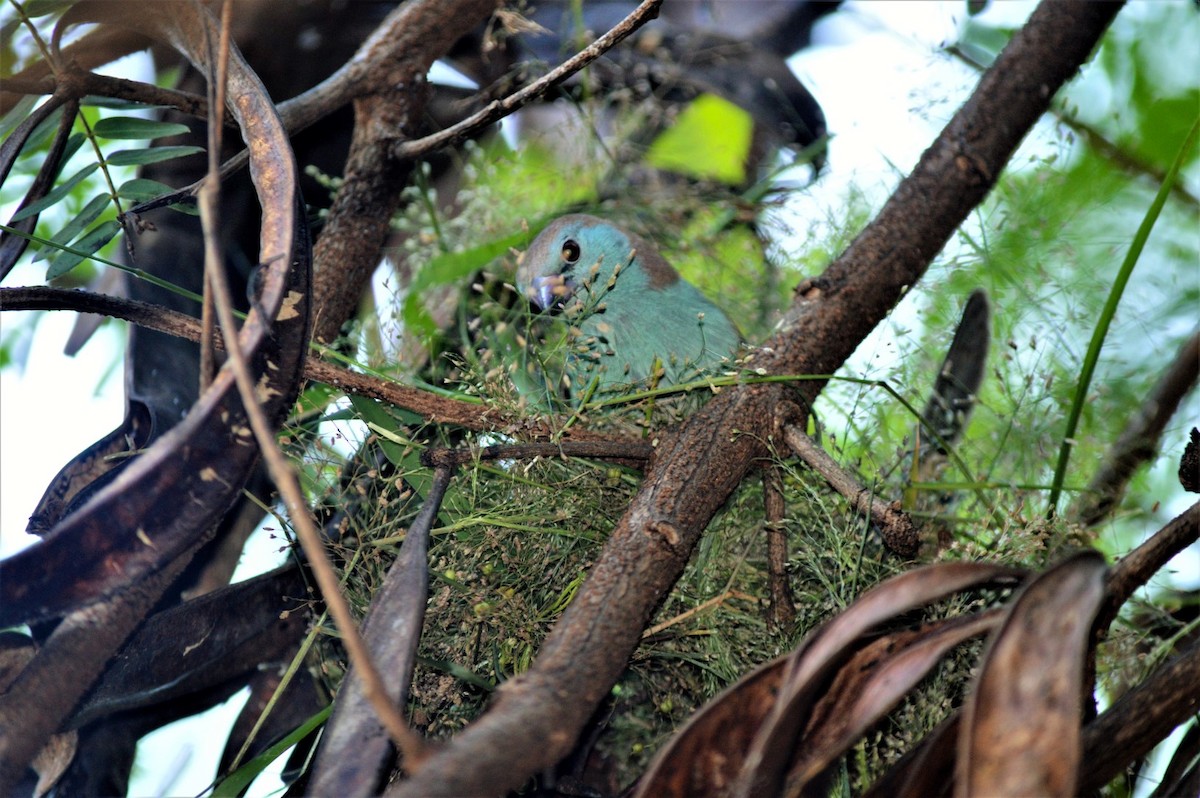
633,321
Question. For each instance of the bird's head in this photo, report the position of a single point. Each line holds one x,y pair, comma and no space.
578,257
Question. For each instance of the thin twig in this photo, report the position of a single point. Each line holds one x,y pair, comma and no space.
782,612
85,84
498,109
1139,440
210,189
899,532
715,601
438,409
605,450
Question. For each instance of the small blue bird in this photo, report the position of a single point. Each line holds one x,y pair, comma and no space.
634,320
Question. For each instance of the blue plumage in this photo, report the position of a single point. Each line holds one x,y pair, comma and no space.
628,308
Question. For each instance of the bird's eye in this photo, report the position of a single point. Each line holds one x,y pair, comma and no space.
570,251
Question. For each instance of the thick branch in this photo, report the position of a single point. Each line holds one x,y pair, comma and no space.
539,714
348,249
1137,567
1140,720
438,409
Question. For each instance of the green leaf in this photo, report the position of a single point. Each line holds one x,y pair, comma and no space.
9,59
1164,123
390,418
710,140
448,268
392,427
73,144
55,194
40,8
133,127
141,189
18,113
95,238
41,136
454,266
186,208
152,155
90,213
237,782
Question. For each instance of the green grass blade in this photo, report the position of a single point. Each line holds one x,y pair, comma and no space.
237,782
1106,316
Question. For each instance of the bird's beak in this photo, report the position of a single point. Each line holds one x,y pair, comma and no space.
549,292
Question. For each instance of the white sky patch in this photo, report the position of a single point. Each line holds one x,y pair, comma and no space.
52,410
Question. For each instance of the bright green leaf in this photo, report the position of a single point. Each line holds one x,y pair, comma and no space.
141,189
416,319
448,268
710,140
95,238
152,155
55,194
90,213
454,266
390,418
133,127
1165,122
